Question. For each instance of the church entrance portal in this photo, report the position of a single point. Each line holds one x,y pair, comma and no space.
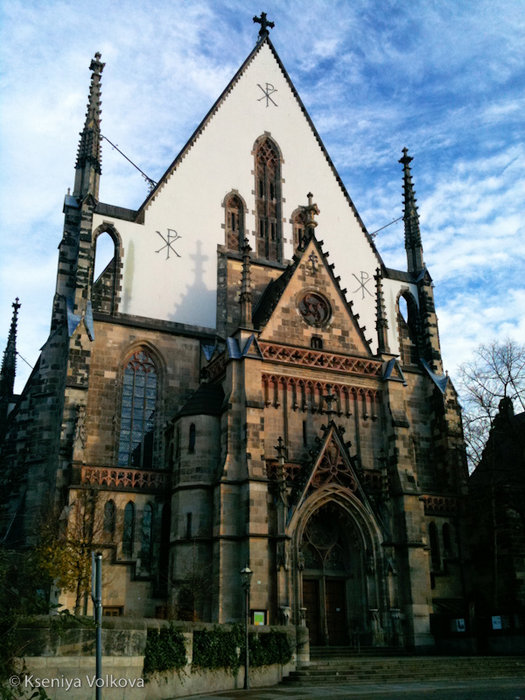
333,586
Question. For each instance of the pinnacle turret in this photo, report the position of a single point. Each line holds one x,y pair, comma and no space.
88,165
8,371
381,319
413,244
310,212
245,297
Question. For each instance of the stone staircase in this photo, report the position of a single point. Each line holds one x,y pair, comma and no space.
335,667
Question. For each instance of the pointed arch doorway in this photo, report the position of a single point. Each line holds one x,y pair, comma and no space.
334,591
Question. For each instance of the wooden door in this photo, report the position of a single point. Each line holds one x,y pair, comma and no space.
336,611
311,603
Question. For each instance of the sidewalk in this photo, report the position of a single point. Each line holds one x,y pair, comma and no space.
494,689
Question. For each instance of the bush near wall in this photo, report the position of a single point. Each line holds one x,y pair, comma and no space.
223,648
165,650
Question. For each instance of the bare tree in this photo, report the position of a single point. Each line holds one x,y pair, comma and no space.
496,372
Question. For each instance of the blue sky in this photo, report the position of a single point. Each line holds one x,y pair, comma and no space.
446,78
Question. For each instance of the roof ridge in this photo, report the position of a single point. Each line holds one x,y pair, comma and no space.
200,128
214,109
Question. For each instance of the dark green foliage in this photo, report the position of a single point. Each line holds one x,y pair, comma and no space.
23,592
219,648
165,651
270,648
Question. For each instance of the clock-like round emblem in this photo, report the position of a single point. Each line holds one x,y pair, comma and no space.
315,309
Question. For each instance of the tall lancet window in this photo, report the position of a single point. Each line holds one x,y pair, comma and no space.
137,418
299,228
234,222
268,200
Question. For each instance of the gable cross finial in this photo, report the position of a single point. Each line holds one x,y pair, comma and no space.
263,31
280,448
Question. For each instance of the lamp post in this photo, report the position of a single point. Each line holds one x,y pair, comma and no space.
246,577
96,596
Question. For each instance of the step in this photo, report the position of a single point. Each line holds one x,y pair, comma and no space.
407,669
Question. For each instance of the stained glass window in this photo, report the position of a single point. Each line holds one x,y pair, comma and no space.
268,200
128,533
147,541
139,398
109,517
234,223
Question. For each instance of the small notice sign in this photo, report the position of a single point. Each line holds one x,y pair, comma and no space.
497,622
259,617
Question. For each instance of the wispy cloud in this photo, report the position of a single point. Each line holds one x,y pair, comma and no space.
447,81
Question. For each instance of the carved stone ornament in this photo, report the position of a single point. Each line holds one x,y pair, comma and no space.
80,427
315,309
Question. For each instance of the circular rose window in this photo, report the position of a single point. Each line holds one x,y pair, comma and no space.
315,309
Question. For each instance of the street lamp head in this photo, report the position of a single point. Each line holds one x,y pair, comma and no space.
246,576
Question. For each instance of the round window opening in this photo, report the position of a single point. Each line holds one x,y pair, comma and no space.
315,309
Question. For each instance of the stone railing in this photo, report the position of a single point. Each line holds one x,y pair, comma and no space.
124,478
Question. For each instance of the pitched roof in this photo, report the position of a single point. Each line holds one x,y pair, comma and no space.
207,400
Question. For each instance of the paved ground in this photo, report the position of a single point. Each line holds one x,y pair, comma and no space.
497,689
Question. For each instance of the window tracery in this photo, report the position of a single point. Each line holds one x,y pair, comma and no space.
147,535
137,419
234,222
268,200
128,532
109,517
299,228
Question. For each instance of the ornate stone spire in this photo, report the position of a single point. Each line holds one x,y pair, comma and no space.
245,297
310,212
88,165
263,31
413,244
381,320
8,371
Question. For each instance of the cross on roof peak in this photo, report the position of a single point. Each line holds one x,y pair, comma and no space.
263,31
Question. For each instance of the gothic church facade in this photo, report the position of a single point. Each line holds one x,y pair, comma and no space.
218,398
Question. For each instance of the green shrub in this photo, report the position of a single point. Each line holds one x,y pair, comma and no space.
219,648
270,648
165,651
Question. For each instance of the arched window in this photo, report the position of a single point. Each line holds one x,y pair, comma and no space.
109,517
447,540
316,342
268,200
104,254
299,228
191,439
106,268
128,532
139,397
147,536
234,222
407,322
164,550
435,554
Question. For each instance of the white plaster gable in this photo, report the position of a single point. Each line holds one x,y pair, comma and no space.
187,207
